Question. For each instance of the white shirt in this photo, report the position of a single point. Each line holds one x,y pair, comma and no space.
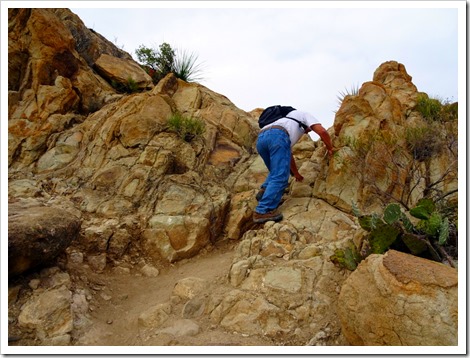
294,129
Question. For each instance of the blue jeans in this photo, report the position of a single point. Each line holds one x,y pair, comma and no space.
273,146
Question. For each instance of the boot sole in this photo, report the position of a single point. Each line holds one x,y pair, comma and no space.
264,220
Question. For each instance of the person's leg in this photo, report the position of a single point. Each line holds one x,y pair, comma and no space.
277,144
260,193
262,146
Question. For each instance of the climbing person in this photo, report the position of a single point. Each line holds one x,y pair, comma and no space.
282,127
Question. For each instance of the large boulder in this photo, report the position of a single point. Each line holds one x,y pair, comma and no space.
122,72
401,300
37,234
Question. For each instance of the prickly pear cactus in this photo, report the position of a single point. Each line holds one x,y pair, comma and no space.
395,228
444,231
348,258
383,236
417,244
431,225
407,223
369,222
392,213
424,209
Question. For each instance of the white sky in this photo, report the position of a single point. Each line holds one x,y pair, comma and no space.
302,54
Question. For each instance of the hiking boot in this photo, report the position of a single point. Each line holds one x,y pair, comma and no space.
260,194
270,216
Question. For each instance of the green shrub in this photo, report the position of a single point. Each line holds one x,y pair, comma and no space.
424,142
130,87
436,109
449,112
186,127
430,108
165,60
394,230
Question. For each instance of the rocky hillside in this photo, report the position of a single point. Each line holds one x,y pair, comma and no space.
99,181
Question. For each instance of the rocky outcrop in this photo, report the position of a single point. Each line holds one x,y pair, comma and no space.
284,269
49,83
89,44
138,168
371,130
121,161
400,300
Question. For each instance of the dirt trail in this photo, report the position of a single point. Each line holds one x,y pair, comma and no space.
123,298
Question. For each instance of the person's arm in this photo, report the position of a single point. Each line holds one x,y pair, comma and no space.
293,169
324,136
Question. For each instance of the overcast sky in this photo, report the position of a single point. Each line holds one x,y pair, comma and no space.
303,55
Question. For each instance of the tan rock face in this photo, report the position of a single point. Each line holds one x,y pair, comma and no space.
122,71
283,282
123,158
408,269
48,78
399,299
374,162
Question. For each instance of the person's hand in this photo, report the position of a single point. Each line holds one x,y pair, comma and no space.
331,152
298,177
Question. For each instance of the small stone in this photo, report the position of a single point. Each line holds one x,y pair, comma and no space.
98,262
150,271
76,257
155,316
182,327
121,270
189,287
105,297
34,283
13,294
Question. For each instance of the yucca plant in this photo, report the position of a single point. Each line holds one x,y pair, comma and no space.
186,66
353,91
